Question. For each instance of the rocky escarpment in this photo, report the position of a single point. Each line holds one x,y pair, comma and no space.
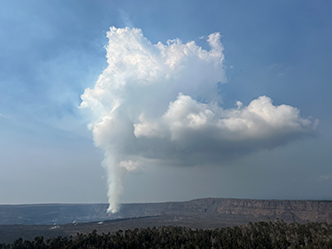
288,210
299,211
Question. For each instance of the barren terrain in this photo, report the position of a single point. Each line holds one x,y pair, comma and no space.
49,221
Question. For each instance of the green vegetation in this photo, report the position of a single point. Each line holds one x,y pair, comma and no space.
264,234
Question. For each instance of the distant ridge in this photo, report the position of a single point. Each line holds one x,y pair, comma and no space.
247,209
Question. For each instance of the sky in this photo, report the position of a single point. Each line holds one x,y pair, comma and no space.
150,101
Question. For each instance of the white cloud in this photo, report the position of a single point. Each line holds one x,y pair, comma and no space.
160,102
260,120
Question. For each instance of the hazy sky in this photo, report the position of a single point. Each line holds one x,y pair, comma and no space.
190,100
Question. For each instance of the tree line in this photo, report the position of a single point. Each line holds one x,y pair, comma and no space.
263,234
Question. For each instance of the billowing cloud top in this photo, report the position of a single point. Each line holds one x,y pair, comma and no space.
157,101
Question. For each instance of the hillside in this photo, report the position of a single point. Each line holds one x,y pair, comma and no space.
29,221
288,210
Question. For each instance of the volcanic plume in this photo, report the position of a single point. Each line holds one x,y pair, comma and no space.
160,103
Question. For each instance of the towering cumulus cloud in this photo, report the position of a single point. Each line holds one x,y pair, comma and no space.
159,103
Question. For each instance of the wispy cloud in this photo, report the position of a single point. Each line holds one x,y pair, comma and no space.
3,115
325,177
125,18
279,69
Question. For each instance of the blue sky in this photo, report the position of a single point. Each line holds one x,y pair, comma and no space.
50,52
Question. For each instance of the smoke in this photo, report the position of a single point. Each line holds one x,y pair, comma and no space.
160,102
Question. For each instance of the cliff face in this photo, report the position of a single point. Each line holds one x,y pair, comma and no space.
299,211
288,210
